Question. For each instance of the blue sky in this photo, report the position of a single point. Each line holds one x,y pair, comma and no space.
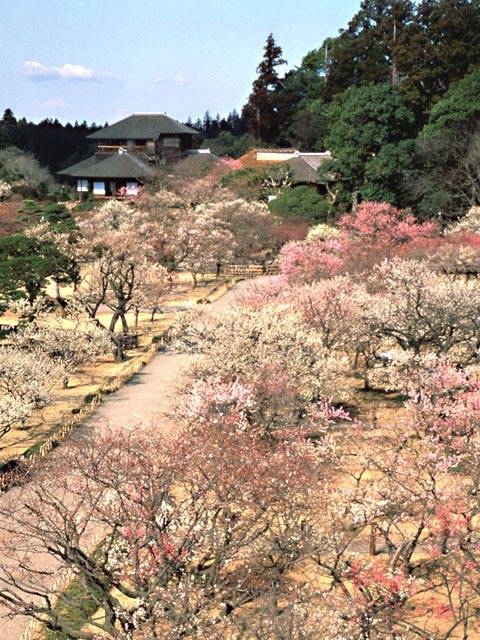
103,59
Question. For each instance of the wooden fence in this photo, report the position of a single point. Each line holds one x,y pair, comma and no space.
17,473
250,270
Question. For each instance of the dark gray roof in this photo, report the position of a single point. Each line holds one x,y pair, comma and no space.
305,166
314,160
302,171
142,126
116,165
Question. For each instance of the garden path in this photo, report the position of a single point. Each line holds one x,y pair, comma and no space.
145,402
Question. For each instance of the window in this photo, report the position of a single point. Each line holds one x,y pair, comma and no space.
82,185
171,142
99,188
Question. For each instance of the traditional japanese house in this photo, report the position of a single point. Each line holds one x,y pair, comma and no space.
127,153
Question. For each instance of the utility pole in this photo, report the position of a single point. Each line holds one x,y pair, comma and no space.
326,63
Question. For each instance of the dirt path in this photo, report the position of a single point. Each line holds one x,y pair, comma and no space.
145,402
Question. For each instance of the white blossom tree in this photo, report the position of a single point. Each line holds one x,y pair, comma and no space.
118,240
69,346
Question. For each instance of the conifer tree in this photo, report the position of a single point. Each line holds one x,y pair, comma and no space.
263,111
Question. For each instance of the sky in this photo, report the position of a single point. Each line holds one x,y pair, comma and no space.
100,60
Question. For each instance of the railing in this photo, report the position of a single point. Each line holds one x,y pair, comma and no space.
113,148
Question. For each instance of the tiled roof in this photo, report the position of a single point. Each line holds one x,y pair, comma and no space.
314,160
302,171
142,126
116,165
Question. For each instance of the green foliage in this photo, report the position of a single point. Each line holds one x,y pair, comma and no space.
419,47
26,264
387,174
226,144
74,609
59,217
447,149
62,193
31,206
246,183
458,111
264,109
309,127
436,49
366,123
53,144
86,205
55,213
301,203
363,53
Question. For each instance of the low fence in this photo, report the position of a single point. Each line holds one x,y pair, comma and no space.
250,270
14,473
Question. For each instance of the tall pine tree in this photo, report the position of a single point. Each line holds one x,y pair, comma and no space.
263,111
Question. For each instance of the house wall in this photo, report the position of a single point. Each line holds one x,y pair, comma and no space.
275,156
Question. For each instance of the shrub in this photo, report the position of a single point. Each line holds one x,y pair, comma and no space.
302,202
245,183
57,215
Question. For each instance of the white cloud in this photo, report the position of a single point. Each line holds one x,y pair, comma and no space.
172,81
38,71
55,104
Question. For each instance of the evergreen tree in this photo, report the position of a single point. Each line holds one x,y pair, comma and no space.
436,50
366,50
263,111
448,148
368,133
26,264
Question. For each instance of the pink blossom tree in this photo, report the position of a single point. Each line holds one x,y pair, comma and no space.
270,352
304,263
382,222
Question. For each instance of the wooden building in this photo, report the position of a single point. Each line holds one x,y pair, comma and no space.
127,152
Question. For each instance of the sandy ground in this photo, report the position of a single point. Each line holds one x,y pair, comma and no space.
145,402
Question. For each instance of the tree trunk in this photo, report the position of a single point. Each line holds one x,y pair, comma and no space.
354,201
155,310
124,323
373,540
58,295
119,353
113,321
